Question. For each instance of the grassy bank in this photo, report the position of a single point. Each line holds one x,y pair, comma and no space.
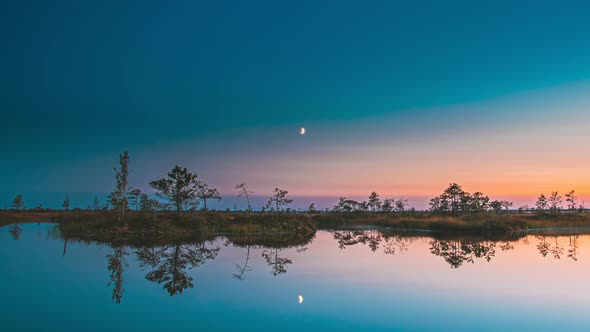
166,225
479,223
10,217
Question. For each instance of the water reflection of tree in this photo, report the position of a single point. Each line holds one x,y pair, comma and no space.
543,246
372,239
277,263
242,269
15,231
272,247
572,252
170,264
391,242
506,245
347,238
456,253
546,247
117,262
396,243
556,250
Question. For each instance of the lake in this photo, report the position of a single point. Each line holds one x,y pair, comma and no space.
340,280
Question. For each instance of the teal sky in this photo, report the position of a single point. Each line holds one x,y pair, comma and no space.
222,88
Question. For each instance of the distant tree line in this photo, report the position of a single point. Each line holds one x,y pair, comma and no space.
182,190
554,203
373,204
455,200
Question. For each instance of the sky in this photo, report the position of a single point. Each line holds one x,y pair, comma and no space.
397,97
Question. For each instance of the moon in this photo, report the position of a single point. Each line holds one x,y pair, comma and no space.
302,131
300,299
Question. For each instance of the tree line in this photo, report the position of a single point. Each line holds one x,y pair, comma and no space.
554,203
455,200
182,190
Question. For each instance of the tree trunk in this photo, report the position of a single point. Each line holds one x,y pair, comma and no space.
248,200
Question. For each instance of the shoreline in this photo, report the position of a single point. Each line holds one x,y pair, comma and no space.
272,223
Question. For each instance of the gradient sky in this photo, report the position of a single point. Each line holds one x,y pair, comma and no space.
398,97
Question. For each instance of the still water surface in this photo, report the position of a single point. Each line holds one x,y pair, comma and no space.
348,281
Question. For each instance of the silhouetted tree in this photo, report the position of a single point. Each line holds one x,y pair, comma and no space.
436,204
18,203
555,202
362,206
96,204
453,195
244,192
571,200
311,208
479,202
498,206
134,198
119,196
204,192
455,200
541,203
345,205
401,204
66,203
374,203
178,189
147,204
278,199
388,205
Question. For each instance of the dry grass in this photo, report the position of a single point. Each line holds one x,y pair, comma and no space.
95,222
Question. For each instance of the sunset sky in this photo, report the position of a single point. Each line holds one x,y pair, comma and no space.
397,97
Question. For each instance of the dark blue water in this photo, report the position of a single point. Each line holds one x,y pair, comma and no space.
348,282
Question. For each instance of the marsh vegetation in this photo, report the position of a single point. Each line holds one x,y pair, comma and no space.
178,209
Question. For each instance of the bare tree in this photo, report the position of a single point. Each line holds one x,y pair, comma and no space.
243,191
243,269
